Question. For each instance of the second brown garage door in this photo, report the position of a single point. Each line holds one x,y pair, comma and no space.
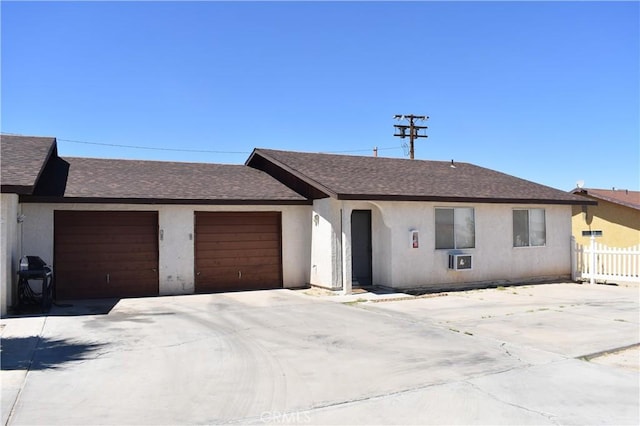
105,254
238,251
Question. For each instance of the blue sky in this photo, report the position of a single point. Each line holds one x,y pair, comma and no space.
547,91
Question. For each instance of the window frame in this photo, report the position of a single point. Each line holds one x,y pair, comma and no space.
455,234
529,227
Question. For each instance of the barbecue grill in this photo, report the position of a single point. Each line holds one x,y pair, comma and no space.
35,269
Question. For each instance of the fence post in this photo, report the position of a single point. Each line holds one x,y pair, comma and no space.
592,260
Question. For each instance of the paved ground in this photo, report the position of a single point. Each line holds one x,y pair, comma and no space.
519,355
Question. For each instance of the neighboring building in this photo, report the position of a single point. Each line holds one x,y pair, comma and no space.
617,216
120,228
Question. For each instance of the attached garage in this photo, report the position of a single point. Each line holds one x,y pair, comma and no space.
100,254
237,251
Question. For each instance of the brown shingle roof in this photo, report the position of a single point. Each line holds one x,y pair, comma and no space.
357,177
162,181
23,159
617,196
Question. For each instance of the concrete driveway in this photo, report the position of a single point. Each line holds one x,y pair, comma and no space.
519,355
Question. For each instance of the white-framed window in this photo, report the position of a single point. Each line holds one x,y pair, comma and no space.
529,228
455,228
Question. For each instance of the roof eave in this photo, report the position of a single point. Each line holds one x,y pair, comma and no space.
17,189
172,201
432,198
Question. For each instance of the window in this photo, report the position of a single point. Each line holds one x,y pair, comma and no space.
455,228
529,228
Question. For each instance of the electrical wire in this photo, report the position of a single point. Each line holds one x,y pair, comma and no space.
154,148
362,150
207,151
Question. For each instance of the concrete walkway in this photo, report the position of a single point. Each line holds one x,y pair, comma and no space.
518,355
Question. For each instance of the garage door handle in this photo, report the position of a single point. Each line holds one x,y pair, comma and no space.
240,274
108,278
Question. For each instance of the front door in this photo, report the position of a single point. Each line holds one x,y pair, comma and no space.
361,248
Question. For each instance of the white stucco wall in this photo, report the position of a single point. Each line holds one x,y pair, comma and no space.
396,264
9,249
316,243
176,233
325,244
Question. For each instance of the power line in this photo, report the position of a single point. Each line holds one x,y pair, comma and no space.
154,148
151,148
200,150
361,150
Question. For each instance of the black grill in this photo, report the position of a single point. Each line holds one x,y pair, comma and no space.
35,269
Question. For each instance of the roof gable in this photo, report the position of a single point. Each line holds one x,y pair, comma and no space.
23,159
379,178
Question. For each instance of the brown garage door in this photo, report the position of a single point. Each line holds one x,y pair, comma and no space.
105,254
238,251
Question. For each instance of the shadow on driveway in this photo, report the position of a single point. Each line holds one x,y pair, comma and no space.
66,308
35,353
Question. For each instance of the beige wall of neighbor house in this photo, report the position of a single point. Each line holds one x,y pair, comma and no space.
9,249
176,233
396,264
620,225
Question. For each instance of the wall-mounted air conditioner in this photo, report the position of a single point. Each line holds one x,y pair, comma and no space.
460,262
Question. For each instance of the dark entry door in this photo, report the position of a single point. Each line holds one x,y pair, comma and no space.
361,247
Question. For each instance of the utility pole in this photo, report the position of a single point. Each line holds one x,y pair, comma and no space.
412,128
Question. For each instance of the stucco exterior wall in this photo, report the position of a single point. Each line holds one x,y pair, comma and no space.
396,264
176,233
9,249
620,225
326,244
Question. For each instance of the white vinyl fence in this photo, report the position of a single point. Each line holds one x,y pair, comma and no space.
597,262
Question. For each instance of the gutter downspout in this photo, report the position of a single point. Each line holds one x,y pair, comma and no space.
341,256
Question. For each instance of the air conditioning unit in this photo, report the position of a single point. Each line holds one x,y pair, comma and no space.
460,262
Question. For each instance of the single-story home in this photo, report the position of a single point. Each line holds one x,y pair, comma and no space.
615,220
122,228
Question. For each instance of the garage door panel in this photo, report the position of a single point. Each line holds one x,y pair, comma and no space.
130,235
135,251
122,280
237,245
238,251
80,290
226,229
105,254
242,255
236,218
230,237
106,266
232,274
84,258
125,218
239,263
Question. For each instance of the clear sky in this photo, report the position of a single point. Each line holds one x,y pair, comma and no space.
546,91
